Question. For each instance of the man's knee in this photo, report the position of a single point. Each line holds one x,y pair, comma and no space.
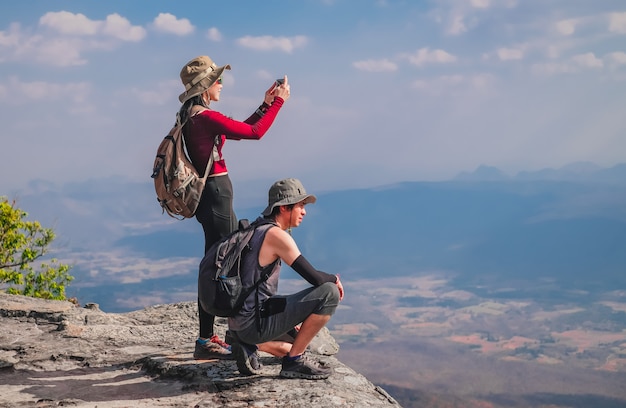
334,292
330,298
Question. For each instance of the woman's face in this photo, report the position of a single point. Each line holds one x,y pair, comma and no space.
214,90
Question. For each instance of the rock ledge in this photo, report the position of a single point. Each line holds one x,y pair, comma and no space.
53,353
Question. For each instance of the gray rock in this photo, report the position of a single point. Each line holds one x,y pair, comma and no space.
54,353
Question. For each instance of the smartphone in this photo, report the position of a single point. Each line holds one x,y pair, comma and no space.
279,82
272,306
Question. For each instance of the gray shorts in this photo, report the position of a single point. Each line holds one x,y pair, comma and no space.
321,300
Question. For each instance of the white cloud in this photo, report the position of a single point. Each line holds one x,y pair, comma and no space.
507,54
481,81
617,23
460,16
214,34
168,23
70,23
616,59
483,4
16,45
17,92
63,37
160,94
425,56
119,27
575,64
551,68
62,52
588,60
446,83
114,26
456,25
383,65
566,27
11,37
268,43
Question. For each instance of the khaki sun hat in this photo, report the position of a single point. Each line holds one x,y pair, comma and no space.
198,75
286,192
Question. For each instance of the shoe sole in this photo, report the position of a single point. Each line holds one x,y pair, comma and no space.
243,364
219,356
295,374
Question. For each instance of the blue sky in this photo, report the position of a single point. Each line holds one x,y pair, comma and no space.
382,91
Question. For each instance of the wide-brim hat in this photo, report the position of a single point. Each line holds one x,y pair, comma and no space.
286,192
198,75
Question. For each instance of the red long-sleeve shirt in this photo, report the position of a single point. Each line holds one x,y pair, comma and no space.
201,129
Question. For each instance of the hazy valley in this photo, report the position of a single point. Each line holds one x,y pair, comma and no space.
486,291
495,351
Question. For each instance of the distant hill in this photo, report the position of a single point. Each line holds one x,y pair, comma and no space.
515,229
578,172
567,225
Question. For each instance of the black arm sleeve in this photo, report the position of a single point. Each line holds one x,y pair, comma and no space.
308,272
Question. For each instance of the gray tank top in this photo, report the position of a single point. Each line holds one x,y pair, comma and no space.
246,315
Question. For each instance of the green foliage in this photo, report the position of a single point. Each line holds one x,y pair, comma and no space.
21,244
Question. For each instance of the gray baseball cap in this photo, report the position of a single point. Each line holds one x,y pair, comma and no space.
286,192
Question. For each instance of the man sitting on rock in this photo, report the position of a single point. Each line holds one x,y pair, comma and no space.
270,327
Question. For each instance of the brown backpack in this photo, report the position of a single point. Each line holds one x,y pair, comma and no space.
177,183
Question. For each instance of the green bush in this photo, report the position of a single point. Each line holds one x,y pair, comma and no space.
21,244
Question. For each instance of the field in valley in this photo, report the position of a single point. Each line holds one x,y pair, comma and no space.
432,344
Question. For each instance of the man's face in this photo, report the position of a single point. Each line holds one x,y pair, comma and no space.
297,214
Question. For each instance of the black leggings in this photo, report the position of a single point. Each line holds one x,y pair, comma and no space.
215,213
215,210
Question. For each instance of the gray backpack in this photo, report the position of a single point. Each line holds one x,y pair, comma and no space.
220,289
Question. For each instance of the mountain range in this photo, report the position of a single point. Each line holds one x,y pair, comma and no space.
567,225
504,290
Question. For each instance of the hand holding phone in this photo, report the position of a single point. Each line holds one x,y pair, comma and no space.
280,88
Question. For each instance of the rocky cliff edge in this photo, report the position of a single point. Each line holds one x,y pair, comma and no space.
54,353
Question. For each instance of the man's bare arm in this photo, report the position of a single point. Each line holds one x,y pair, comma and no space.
278,244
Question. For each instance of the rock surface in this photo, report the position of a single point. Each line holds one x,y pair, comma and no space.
54,353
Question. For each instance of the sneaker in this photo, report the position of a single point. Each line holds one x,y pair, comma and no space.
247,358
209,350
304,368
220,342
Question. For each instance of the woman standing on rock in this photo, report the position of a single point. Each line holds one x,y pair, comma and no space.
204,129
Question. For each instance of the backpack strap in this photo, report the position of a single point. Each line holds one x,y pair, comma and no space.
265,275
212,158
257,309
215,155
244,223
